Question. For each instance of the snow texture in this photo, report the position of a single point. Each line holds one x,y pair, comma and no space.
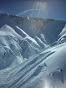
32,52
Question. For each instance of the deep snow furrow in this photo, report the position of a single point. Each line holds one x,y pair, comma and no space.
13,73
29,69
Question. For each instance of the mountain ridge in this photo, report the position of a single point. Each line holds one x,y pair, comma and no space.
35,26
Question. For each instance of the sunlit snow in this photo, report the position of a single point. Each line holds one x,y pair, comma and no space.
32,56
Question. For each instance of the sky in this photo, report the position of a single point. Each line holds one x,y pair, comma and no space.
52,9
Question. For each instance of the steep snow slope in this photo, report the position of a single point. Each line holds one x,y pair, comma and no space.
14,48
38,71
63,35
9,48
40,42
43,38
32,52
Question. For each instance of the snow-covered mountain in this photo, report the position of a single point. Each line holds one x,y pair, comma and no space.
34,26
15,47
63,35
32,52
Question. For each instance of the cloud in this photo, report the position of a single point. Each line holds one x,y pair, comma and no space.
23,12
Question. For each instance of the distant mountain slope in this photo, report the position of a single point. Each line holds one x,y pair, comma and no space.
35,26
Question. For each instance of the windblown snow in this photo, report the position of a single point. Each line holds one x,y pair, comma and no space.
32,52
